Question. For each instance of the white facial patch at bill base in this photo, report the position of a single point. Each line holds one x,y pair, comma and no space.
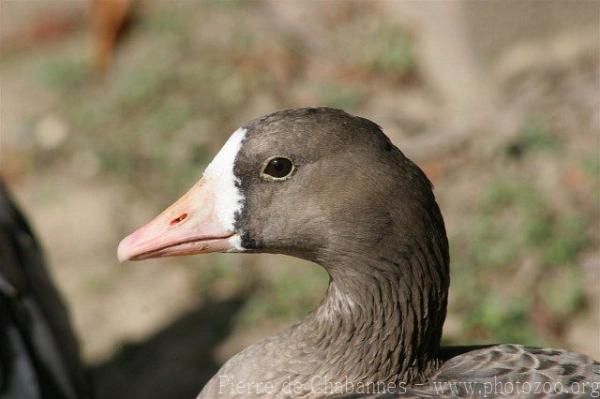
228,198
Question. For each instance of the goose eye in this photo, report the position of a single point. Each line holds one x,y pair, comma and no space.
278,168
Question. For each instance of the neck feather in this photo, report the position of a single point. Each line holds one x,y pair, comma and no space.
381,319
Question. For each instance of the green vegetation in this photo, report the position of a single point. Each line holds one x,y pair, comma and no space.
391,52
535,136
338,96
289,297
494,318
517,229
63,74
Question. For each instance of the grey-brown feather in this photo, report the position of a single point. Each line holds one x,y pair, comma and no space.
509,371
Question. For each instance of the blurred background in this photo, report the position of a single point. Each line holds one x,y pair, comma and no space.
110,110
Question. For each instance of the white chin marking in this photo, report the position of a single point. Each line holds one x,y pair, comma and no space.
236,243
228,198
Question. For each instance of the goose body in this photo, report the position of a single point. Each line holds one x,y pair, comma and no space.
329,187
39,355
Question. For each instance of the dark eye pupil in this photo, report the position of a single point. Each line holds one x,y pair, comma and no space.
279,167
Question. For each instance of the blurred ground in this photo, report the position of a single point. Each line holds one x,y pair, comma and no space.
92,158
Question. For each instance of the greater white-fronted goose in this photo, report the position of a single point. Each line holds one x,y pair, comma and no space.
39,355
329,187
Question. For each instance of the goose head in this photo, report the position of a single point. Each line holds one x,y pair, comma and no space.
315,183
328,187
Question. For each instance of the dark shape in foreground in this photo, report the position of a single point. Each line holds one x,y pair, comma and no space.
39,355
353,203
